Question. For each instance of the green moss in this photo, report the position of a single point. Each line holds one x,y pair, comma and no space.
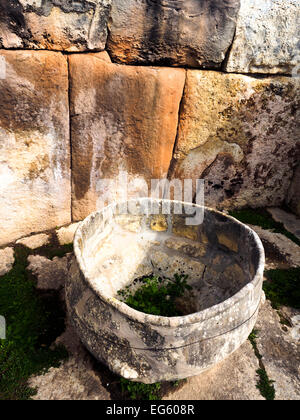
283,287
33,322
252,338
139,391
157,296
260,217
264,384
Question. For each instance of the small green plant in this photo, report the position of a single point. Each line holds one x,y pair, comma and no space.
33,320
252,338
260,217
140,391
283,287
157,296
265,385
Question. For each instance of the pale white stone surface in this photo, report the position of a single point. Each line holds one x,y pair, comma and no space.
6,260
267,37
35,241
65,235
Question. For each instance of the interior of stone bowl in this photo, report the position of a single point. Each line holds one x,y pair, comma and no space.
219,256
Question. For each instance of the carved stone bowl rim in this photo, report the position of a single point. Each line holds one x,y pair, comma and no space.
179,321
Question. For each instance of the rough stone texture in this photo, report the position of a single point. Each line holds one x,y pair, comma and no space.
280,352
240,134
289,220
123,119
65,235
75,379
234,378
181,32
54,24
35,241
34,143
293,196
279,246
7,260
267,37
51,274
150,348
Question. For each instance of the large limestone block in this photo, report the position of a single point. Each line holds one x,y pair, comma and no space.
124,119
267,37
34,143
54,24
241,134
172,32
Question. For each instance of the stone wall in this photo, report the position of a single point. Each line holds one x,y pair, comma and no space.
157,88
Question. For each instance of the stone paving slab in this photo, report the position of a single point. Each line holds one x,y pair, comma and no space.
289,220
233,379
75,379
278,248
35,241
280,350
66,234
6,260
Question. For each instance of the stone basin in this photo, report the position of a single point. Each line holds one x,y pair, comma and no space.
224,261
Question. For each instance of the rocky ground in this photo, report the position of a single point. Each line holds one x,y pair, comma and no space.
274,348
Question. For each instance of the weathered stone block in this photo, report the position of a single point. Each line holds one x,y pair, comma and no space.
54,24
123,119
267,37
181,32
7,260
34,143
240,134
35,241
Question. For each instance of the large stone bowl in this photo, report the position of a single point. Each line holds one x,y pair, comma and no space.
224,261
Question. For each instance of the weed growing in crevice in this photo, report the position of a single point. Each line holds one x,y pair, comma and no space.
264,384
34,319
252,338
140,391
157,296
261,217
